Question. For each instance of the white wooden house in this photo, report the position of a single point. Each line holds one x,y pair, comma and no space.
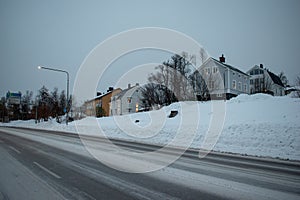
126,102
223,81
264,81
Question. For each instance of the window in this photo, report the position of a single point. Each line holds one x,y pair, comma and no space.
233,73
207,70
234,84
215,70
251,73
219,95
251,81
137,107
245,88
129,99
240,86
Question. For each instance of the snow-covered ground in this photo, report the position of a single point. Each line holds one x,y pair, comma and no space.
258,125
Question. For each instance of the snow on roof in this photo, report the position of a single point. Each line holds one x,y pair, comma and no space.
230,67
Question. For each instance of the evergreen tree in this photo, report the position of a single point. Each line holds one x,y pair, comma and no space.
55,103
62,102
44,103
25,104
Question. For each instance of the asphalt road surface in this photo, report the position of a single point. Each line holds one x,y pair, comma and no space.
36,164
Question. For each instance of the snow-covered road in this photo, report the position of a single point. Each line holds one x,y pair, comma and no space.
58,166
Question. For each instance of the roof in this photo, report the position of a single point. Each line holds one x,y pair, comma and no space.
230,67
275,79
102,95
293,88
128,91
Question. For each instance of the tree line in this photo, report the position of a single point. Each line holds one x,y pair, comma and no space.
45,104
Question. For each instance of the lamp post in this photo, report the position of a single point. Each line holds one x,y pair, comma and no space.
59,70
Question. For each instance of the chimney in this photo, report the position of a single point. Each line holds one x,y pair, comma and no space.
261,66
222,59
129,85
110,89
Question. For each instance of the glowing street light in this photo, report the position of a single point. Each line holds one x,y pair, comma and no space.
59,70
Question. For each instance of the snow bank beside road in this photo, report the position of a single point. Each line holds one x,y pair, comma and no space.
258,125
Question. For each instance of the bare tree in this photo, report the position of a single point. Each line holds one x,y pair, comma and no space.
297,84
283,78
174,74
155,95
199,86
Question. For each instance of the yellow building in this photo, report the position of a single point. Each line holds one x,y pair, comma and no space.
100,105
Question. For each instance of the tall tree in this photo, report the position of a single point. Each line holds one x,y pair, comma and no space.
199,86
62,102
155,95
44,103
26,103
174,74
3,109
55,103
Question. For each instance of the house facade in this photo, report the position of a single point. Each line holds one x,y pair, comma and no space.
100,101
264,81
126,102
223,81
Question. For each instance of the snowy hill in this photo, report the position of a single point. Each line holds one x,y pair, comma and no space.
258,125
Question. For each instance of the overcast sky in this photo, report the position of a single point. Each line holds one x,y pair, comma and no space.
61,33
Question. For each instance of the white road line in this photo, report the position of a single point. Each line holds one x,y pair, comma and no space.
14,149
47,170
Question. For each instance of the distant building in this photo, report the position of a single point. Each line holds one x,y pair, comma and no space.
100,101
223,81
128,101
264,81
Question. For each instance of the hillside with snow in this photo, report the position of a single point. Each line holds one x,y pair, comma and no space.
257,125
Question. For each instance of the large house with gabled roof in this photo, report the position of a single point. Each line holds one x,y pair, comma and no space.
223,80
264,81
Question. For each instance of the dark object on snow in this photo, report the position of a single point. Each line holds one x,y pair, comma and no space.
173,113
71,119
136,121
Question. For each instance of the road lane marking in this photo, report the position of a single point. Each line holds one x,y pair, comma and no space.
47,170
14,149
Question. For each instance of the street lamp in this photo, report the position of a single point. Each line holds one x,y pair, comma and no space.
59,70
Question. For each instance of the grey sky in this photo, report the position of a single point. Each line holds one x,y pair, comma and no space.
58,33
